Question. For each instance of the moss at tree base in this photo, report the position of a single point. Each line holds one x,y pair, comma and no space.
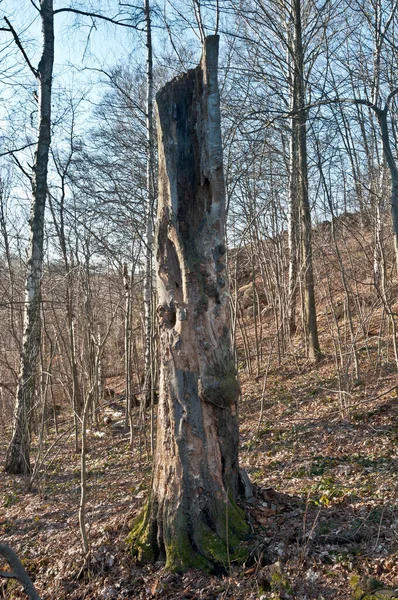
188,544
370,589
140,538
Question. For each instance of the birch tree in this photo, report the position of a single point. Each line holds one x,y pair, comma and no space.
18,454
150,201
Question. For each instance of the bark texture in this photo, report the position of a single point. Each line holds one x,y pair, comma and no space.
192,518
148,392
18,454
392,165
293,224
300,127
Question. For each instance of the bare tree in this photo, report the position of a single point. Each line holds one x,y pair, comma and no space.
148,396
299,178
18,454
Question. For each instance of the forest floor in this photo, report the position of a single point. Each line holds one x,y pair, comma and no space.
325,505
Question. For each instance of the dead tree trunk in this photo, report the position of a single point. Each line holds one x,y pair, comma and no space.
192,518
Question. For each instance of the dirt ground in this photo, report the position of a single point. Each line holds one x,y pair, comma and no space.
324,509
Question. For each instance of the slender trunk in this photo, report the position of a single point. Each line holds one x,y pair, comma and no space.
256,316
76,399
302,174
192,518
380,267
293,220
83,475
98,396
8,254
293,232
392,165
148,384
18,454
127,346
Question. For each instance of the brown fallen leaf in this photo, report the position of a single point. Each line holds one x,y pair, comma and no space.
267,512
154,587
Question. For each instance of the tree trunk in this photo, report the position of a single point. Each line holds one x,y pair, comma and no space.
392,165
192,519
18,454
302,175
148,394
293,222
76,399
127,280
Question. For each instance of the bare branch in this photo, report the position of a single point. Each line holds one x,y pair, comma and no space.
165,21
128,5
21,167
19,44
328,102
35,5
112,79
217,18
16,149
389,98
184,18
198,17
97,16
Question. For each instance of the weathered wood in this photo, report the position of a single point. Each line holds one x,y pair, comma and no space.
192,518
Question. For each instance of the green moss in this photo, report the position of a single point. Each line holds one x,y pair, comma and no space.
140,537
236,519
208,548
369,589
214,546
224,545
192,545
220,552
180,556
272,578
229,388
222,386
279,581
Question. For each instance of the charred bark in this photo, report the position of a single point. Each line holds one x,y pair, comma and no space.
192,518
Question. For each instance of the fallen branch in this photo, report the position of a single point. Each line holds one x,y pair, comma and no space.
18,572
